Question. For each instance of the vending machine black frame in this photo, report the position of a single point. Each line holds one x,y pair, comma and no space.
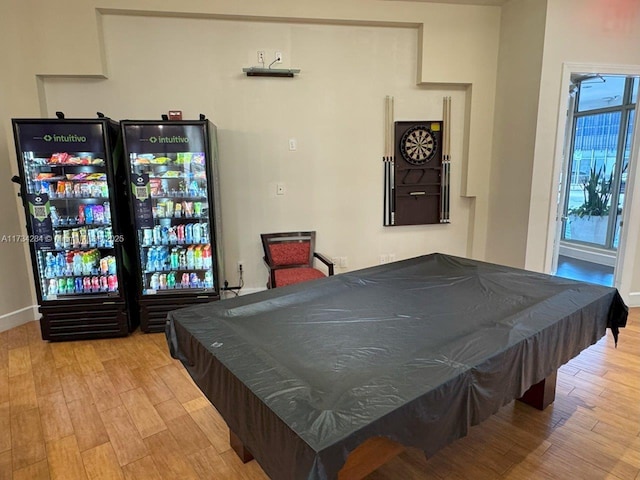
100,315
154,308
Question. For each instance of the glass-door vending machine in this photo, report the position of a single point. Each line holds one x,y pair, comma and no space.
67,168
173,182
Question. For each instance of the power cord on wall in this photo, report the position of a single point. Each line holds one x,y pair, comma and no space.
235,290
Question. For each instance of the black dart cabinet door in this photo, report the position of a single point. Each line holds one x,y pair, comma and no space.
418,172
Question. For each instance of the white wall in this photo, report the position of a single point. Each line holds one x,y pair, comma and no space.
587,32
518,86
334,109
16,284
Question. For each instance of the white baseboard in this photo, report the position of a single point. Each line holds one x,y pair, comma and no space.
247,291
588,254
243,291
634,299
19,317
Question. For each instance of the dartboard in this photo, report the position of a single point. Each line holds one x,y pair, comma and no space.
418,145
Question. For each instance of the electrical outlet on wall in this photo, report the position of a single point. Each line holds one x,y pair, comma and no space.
278,57
340,262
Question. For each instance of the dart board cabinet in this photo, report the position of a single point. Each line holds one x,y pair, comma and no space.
418,172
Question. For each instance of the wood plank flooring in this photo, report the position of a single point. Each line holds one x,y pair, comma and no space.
124,409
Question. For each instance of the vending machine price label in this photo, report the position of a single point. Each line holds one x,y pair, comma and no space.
142,200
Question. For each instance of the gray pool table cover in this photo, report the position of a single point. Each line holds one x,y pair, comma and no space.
416,351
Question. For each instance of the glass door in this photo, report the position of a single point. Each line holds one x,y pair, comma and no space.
171,208
70,210
600,149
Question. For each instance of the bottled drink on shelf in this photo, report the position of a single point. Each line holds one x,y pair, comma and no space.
92,237
204,237
197,257
196,233
147,237
81,214
77,263
53,287
104,265
154,283
111,260
208,279
190,257
107,212
173,237
100,237
157,235
108,237
50,261
75,238
180,233
151,259
54,216
88,214
98,214
112,283
57,238
206,257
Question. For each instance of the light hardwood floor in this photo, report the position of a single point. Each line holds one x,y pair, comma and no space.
124,409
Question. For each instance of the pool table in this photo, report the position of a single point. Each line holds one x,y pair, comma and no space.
410,353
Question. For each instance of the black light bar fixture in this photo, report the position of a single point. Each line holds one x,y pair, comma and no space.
270,72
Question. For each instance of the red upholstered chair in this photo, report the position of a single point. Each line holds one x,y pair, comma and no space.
289,257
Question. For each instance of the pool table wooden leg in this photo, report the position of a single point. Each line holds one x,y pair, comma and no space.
542,394
238,447
370,455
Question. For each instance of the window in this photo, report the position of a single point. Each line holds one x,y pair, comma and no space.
598,91
600,150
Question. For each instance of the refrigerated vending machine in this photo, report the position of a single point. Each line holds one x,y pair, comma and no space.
81,267
173,183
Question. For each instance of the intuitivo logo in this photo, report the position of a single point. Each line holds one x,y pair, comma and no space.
174,139
70,138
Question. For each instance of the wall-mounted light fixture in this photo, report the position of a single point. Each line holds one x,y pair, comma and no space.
270,72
